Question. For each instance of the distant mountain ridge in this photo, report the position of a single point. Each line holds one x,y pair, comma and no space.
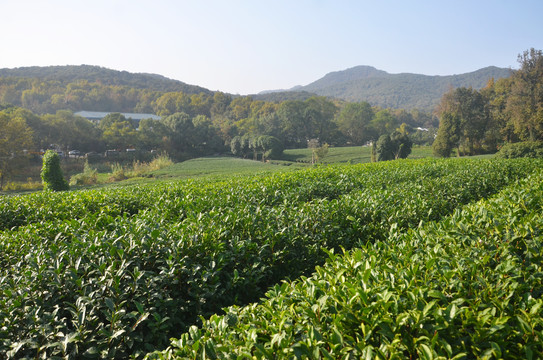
400,91
72,73
360,83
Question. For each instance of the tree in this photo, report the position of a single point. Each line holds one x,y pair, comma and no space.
188,137
236,146
384,148
354,120
271,147
470,112
394,146
72,132
150,134
525,103
402,144
448,135
318,151
383,123
240,107
51,173
221,104
205,136
118,132
15,137
321,152
294,130
318,115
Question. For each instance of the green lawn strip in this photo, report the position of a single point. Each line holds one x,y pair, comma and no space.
347,154
469,286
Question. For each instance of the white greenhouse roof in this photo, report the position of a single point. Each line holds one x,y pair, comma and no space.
98,115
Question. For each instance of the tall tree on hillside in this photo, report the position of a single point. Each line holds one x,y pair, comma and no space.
221,105
240,107
525,104
495,95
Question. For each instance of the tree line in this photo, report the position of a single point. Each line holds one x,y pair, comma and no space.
197,124
293,122
509,110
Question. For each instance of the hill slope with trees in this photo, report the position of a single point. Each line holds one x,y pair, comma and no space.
398,91
96,74
508,110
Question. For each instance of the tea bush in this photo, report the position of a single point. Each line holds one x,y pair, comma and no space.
116,273
469,286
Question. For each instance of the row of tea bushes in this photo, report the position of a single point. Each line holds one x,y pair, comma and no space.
176,199
121,285
469,286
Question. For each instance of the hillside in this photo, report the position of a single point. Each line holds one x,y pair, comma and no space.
361,83
283,95
72,73
401,91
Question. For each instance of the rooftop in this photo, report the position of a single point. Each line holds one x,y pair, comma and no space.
98,115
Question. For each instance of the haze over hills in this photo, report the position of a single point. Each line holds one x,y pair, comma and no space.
401,91
91,73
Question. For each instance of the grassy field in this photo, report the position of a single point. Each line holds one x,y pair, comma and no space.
218,166
292,159
351,154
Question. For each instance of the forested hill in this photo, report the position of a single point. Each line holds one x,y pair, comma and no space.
400,91
97,74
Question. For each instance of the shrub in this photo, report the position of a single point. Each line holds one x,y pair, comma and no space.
117,172
89,176
532,149
140,168
160,162
384,148
51,173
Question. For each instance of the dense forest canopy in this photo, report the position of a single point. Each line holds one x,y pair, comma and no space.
506,110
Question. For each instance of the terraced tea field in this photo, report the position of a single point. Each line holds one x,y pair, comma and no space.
117,272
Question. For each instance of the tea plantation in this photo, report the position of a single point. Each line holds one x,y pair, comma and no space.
117,273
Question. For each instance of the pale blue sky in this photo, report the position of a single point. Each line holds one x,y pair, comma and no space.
246,46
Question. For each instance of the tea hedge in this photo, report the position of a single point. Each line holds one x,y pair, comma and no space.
200,196
116,273
469,286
